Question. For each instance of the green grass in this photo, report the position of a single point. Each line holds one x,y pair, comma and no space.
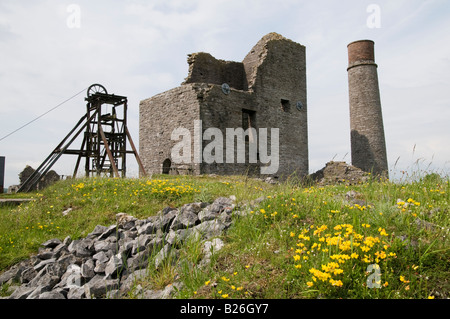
300,242
96,201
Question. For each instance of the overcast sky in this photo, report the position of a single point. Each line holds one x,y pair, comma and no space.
51,50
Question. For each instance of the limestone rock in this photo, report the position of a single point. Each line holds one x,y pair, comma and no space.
185,219
52,295
99,286
52,243
114,266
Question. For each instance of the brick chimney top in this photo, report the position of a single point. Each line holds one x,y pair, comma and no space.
361,51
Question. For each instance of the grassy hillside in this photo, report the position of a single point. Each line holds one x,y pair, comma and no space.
300,242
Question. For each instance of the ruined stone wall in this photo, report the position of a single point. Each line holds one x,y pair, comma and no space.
159,116
224,111
276,69
204,68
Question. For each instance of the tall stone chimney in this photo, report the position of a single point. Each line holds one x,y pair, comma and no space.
366,121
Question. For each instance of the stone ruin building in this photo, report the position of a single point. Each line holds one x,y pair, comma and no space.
266,90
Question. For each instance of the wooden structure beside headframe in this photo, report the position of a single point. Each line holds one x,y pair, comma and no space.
104,144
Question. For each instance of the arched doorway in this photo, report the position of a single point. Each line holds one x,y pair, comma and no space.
166,166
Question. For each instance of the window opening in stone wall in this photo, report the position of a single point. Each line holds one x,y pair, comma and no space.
166,166
285,105
248,121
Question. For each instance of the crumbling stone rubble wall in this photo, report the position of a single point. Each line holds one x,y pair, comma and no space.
339,173
204,68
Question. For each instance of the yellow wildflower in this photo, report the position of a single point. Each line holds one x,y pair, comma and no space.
402,279
337,283
323,276
382,231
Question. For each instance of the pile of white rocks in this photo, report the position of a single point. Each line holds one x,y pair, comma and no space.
107,262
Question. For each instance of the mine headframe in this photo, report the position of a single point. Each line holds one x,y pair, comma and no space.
104,144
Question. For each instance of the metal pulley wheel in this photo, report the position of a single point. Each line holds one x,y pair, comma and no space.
96,88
